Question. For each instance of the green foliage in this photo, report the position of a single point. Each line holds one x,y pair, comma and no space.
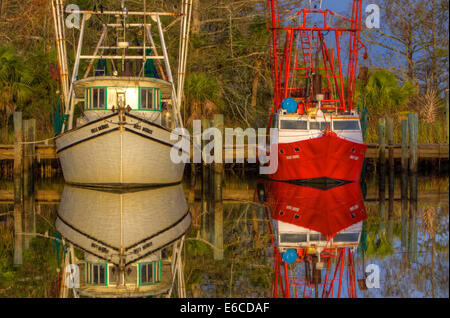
15,77
26,85
200,88
378,246
431,132
384,94
260,278
15,84
197,248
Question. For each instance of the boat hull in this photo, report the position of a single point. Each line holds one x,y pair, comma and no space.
108,152
328,156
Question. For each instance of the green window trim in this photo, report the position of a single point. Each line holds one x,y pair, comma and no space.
156,276
89,101
156,99
90,265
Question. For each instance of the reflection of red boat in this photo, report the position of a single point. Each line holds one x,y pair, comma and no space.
310,228
322,211
319,132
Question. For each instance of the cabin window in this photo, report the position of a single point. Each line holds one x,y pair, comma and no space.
131,274
87,98
294,124
292,238
113,274
96,273
149,99
149,273
95,98
319,125
346,125
346,237
87,277
316,237
98,98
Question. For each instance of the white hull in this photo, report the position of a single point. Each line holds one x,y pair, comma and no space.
107,153
131,225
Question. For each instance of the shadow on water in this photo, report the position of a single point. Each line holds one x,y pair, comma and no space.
228,249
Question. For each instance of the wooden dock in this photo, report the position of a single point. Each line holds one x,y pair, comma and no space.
48,196
425,151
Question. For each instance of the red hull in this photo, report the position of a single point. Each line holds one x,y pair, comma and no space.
325,211
328,156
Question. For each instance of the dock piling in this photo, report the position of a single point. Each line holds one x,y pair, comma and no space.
405,145
391,178
29,131
205,188
218,204
382,158
18,187
413,156
446,116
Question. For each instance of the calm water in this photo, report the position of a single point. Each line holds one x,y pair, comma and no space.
229,250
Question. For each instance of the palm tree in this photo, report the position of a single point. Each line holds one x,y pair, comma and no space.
384,93
202,93
15,80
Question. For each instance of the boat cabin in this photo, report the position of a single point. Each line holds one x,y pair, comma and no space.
136,229
150,276
293,236
146,97
294,127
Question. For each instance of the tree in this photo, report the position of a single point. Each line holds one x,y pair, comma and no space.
15,80
384,93
413,41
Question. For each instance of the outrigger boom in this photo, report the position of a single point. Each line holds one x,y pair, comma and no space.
121,15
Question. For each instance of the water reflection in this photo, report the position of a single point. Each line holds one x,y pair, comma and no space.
315,233
131,240
228,251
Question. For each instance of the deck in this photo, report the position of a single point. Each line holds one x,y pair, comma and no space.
426,151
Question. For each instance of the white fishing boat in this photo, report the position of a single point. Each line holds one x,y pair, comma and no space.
131,239
130,102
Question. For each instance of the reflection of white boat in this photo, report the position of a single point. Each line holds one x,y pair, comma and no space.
126,236
123,136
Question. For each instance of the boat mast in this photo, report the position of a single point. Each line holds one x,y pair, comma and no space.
58,20
303,64
123,16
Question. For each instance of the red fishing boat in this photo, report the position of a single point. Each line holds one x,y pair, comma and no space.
319,129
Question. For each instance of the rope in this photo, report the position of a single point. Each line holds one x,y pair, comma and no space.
36,142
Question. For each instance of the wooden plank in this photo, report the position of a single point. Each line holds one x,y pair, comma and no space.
425,151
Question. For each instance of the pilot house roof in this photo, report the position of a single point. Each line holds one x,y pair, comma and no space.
120,81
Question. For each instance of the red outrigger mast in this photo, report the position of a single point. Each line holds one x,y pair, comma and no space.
304,65
325,269
340,276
